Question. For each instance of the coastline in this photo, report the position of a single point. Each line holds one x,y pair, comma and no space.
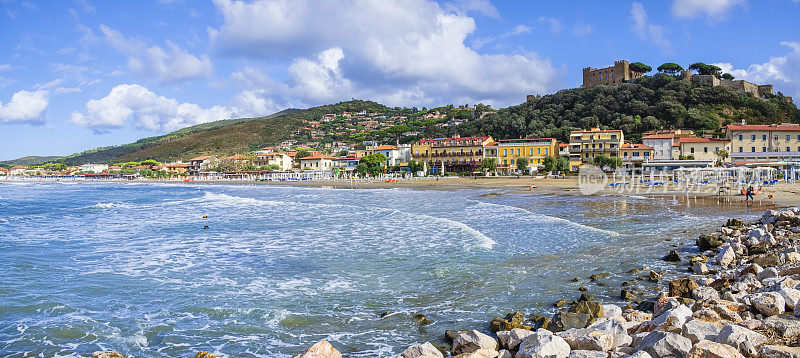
781,195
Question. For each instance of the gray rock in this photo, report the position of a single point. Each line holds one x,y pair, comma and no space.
771,351
504,353
587,354
743,339
697,330
726,255
543,344
611,311
422,350
700,268
676,318
511,339
768,272
663,344
791,296
641,354
480,353
705,293
768,303
787,326
710,349
472,340
111,354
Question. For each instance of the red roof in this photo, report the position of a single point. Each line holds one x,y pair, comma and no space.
18,167
177,165
204,157
635,146
422,141
700,140
562,145
386,147
3,170
317,156
141,167
526,140
659,136
763,127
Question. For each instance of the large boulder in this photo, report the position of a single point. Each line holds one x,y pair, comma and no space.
480,353
322,349
705,293
791,296
568,320
664,344
543,344
726,255
603,335
587,354
743,339
697,330
422,350
708,242
472,340
675,318
511,339
708,349
682,287
768,303
771,351
611,311
593,309
787,326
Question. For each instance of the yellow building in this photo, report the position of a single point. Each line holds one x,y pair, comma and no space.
585,145
635,154
458,154
535,149
752,143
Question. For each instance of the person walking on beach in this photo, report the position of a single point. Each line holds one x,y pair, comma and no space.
749,193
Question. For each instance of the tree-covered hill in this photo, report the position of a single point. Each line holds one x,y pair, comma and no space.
658,102
224,137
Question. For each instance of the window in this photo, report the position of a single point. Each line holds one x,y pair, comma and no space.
518,151
505,152
753,137
545,151
705,149
740,150
613,136
531,151
691,150
776,138
538,151
788,149
764,137
787,137
753,149
763,149
513,161
740,136
635,154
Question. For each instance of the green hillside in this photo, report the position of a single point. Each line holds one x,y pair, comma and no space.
658,102
225,137
27,161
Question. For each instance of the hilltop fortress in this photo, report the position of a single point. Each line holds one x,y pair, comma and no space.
621,72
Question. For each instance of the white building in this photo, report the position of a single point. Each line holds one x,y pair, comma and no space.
394,154
282,160
94,168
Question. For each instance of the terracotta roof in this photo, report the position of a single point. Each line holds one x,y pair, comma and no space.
452,138
18,167
526,140
347,158
491,144
659,136
141,167
203,157
178,165
700,140
598,131
3,170
635,146
317,156
563,145
763,127
386,147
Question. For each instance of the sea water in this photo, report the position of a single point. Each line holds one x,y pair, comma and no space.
130,267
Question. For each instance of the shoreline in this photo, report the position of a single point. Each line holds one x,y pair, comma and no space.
781,195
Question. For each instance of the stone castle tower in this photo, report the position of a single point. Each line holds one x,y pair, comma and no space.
617,74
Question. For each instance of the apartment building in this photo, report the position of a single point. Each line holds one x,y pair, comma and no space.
281,159
317,162
535,149
456,153
634,154
763,142
702,148
585,145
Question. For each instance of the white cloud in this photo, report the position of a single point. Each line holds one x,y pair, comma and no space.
169,65
480,6
714,9
25,107
650,32
6,67
388,49
782,71
581,30
555,25
132,104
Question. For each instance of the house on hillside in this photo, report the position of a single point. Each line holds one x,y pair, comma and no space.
94,168
317,162
281,159
197,164
17,170
176,168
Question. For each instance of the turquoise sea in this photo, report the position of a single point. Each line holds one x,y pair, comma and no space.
129,267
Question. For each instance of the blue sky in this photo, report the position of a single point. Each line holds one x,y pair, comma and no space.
78,74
